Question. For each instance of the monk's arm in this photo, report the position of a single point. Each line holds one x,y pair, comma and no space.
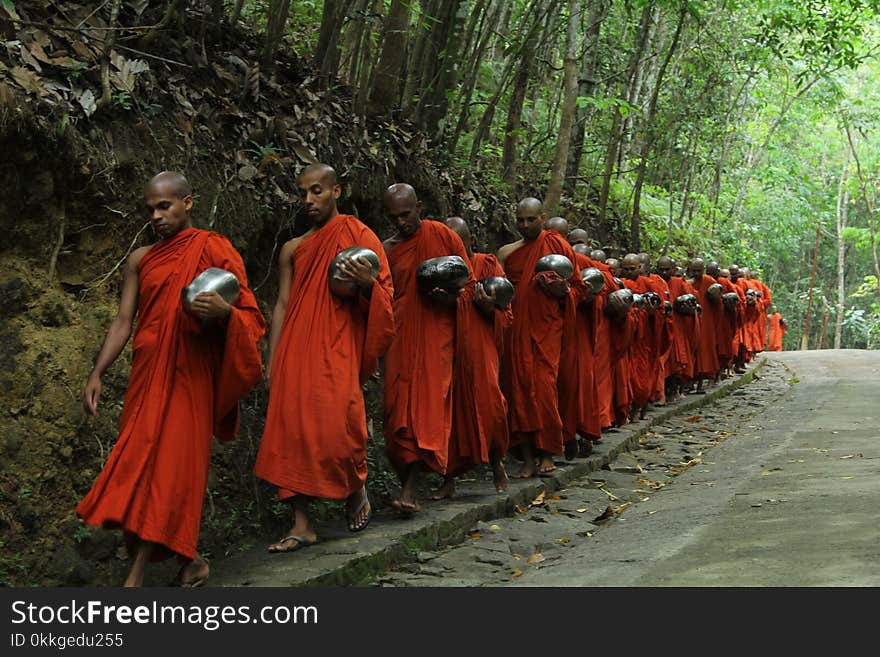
285,277
118,333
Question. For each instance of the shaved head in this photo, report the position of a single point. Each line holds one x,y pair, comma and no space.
723,273
578,236
530,204
171,182
403,209
460,227
665,267
697,268
559,224
645,261
324,172
630,266
712,268
401,192
613,265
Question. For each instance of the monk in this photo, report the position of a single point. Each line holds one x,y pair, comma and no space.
661,328
750,342
419,365
765,299
707,352
322,349
739,350
613,266
776,330
728,320
189,371
684,327
479,409
576,385
649,340
544,309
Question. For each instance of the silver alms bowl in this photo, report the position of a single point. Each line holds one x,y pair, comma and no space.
501,287
450,273
555,262
593,278
343,289
213,279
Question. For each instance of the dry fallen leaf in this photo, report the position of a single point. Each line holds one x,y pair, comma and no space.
848,456
565,539
518,508
516,572
581,510
605,515
537,557
538,501
494,528
693,418
475,535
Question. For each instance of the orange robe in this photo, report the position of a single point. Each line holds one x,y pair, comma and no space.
727,329
479,410
650,342
603,366
764,303
576,385
751,339
531,358
315,438
185,384
663,328
776,332
418,368
707,347
682,355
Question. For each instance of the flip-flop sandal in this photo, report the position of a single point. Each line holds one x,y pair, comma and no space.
301,543
351,518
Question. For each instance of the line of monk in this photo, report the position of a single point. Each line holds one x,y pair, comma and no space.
468,379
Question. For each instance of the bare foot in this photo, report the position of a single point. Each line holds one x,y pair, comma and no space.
546,466
405,509
193,574
447,490
528,470
499,476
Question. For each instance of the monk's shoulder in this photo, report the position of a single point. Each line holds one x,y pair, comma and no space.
390,243
507,249
134,259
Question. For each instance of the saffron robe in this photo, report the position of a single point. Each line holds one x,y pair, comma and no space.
751,340
764,303
707,346
185,384
776,332
578,404
418,368
728,326
681,362
479,409
531,357
315,438
650,342
604,367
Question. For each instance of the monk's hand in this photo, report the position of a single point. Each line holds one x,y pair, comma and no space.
553,284
91,394
357,271
484,301
210,305
444,297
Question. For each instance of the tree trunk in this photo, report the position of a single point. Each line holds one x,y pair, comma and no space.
869,204
648,142
275,23
805,340
569,105
514,110
616,123
471,81
435,110
236,12
842,214
366,67
384,94
586,89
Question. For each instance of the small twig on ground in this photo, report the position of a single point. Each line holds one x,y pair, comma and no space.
53,260
117,266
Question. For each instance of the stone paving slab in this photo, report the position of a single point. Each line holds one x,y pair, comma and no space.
342,558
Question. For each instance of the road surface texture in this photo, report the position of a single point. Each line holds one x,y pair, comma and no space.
777,484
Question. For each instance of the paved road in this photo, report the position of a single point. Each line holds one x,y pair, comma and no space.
792,499
777,484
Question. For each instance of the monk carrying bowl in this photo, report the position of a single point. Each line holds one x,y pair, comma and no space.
593,278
